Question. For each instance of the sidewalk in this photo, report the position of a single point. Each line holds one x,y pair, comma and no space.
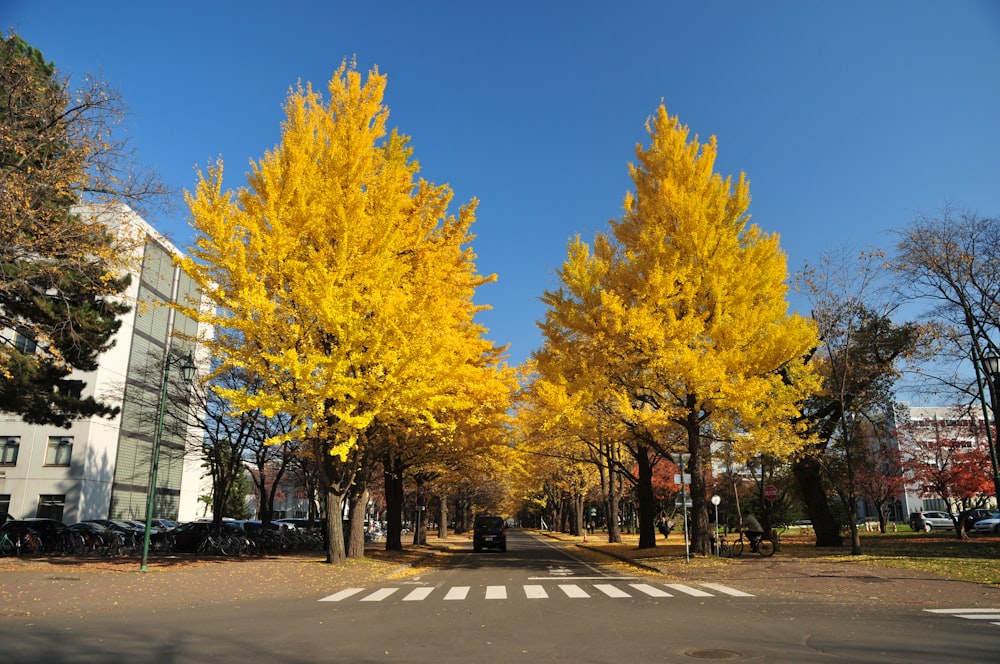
68,585
40,586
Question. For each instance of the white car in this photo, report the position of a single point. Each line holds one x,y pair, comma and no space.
991,525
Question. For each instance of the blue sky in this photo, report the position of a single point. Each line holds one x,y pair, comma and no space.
849,118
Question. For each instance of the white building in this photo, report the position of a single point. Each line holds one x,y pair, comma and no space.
917,428
100,468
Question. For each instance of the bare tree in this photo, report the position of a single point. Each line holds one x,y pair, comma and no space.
858,357
951,262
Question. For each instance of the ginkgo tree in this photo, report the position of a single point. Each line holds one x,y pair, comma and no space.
561,420
341,283
682,310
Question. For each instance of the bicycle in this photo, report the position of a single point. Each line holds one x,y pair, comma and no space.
8,546
30,544
765,546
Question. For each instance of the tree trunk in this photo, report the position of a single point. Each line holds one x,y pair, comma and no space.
960,530
700,540
855,538
810,480
357,500
612,496
647,499
393,504
614,533
443,518
336,554
461,513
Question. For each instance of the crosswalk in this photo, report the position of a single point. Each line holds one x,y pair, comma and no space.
992,615
569,590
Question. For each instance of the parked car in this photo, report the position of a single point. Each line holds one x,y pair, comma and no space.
931,520
990,525
187,536
130,531
489,532
300,524
96,537
141,525
255,527
972,517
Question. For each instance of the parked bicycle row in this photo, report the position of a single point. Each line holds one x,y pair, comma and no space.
102,537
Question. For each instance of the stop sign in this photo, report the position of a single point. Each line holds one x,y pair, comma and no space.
770,492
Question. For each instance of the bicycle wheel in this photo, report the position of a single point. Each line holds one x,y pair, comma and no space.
7,547
725,551
765,547
32,546
206,545
737,548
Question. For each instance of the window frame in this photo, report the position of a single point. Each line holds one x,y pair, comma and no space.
9,444
54,451
51,506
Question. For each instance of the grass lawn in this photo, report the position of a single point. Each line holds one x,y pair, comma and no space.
975,559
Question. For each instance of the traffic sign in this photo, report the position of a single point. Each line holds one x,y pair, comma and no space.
770,492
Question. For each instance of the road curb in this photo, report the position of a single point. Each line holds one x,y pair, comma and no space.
603,552
624,559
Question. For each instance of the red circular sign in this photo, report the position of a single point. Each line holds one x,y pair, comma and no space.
770,492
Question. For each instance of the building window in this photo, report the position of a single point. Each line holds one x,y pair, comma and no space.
51,506
9,445
71,388
4,507
24,343
59,451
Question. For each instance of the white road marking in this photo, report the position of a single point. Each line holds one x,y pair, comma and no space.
652,591
535,592
688,590
971,614
610,590
379,595
573,591
343,594
418,594
962,610
726,590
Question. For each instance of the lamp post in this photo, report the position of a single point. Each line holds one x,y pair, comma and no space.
715,501
991,365
186,364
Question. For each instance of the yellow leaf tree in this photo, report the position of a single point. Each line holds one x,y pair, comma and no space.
681,310
339,280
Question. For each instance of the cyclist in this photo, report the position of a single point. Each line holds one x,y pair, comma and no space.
753,530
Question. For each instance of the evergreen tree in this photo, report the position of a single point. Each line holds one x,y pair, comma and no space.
59,279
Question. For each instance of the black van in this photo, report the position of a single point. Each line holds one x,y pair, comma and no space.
490,532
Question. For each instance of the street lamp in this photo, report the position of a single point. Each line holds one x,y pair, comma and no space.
991,364
186,364
715,501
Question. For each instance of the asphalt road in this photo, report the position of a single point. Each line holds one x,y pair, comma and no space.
535,603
